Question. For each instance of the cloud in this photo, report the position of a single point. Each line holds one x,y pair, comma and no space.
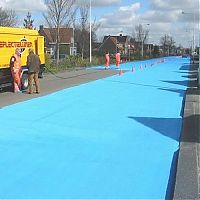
175,4
164,17
23,5
99,3
157,16
133,8
38,5
172,10
122,17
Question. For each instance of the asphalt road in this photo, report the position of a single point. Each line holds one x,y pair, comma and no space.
55,82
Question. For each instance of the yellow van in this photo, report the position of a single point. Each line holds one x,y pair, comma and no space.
12,38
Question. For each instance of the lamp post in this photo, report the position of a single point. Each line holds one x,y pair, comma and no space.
90,31
193,34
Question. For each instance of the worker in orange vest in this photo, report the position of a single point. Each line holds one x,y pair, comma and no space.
107,60
118,59
15,65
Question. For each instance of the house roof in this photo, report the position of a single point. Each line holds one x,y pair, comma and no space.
66,35
116,39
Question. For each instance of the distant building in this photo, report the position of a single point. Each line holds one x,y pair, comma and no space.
117,43
65,35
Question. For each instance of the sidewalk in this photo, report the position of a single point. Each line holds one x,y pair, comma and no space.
187,184
55,82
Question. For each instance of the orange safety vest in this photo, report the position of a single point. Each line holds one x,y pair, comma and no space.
117,59
107,60
17,63
16,68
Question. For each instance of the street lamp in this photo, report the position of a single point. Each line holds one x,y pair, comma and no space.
90,31
193,35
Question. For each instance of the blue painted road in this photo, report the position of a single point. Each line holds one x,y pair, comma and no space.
116,137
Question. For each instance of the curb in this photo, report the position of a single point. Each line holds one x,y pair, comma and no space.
188,167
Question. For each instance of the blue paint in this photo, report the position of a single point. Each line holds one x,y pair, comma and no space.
111,138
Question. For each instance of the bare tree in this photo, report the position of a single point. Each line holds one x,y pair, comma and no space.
95,26
7,17
82,30
28,22
168,43
163,42
58,14
141,36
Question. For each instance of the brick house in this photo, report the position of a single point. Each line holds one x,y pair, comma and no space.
66,39
120,43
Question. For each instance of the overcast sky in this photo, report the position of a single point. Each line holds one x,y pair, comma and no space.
121,16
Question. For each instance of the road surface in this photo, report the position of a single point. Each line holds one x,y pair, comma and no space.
55,82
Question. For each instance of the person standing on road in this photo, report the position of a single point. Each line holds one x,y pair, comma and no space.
118,59
33,64
107,60
15,65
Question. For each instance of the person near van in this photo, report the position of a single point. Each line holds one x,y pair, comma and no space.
16,69
118,59
107,60
33,64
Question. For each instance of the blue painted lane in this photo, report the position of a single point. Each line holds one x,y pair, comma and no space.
111,138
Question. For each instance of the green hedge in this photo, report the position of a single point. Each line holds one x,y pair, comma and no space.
71,63
76,62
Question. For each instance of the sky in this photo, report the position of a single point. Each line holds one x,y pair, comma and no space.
122,16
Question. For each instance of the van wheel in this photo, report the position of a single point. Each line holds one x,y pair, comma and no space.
24,81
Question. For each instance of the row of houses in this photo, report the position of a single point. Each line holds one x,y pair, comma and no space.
123,44
65,37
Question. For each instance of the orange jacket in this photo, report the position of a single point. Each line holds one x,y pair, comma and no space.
15,64
118,58
107,60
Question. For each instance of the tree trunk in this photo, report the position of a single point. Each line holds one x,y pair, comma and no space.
82,52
